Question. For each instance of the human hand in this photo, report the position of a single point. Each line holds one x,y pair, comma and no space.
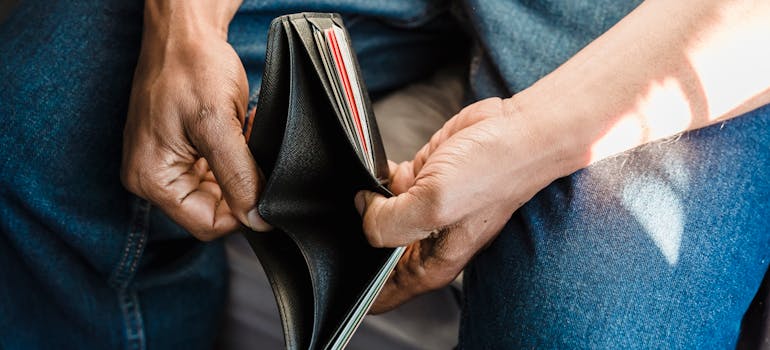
455,196
183,147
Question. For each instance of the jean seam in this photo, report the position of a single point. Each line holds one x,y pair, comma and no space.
132,319
134,247
123,274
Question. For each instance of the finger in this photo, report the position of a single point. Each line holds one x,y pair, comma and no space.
468,116
473,114
220,140
205,215
396,221
401,177
398,288
208,182
441,135
186,192
210,186
392,166
196,204
424,267
420,158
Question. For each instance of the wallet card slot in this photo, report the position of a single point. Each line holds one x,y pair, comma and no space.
381,170
376,161
306,27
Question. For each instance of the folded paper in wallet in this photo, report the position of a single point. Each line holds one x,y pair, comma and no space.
315,138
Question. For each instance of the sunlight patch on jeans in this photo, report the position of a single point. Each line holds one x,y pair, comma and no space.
675,168
658,208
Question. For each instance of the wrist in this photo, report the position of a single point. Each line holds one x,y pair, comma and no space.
187,21
554,138
181,30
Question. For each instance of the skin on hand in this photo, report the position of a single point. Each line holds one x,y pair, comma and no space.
456,185
183,148
668,67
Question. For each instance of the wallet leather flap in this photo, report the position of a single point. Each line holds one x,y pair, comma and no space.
279,255
312,175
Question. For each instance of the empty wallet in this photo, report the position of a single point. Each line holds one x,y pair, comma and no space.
323,272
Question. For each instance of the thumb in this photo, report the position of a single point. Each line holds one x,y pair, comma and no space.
402,176
396,221
220,140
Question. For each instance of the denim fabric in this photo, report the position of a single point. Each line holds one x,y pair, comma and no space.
396,42
84,264
660,247
520,41
663,246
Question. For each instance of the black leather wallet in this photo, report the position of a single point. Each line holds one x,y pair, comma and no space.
315,138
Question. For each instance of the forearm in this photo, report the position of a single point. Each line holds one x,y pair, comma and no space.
184,19
668,67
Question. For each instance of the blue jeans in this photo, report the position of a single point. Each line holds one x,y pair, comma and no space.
662,246
83,263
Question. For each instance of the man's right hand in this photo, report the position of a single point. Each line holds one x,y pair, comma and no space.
183,147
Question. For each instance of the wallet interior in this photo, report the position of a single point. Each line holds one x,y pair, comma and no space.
317,259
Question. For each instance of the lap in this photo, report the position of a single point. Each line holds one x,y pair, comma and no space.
83,254
661,246
89,264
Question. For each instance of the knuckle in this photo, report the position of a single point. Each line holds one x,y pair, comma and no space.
435,140
416,271
238,183
204,235
205,121
207,231
437,213
372,230
432,282
128,179
206,115
144,184
483,109
207,124
491,103
419,274
136,169
132,179
419,160
419,279
437,278
405,278
375,240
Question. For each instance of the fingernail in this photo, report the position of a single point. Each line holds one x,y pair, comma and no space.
360,202
256,222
